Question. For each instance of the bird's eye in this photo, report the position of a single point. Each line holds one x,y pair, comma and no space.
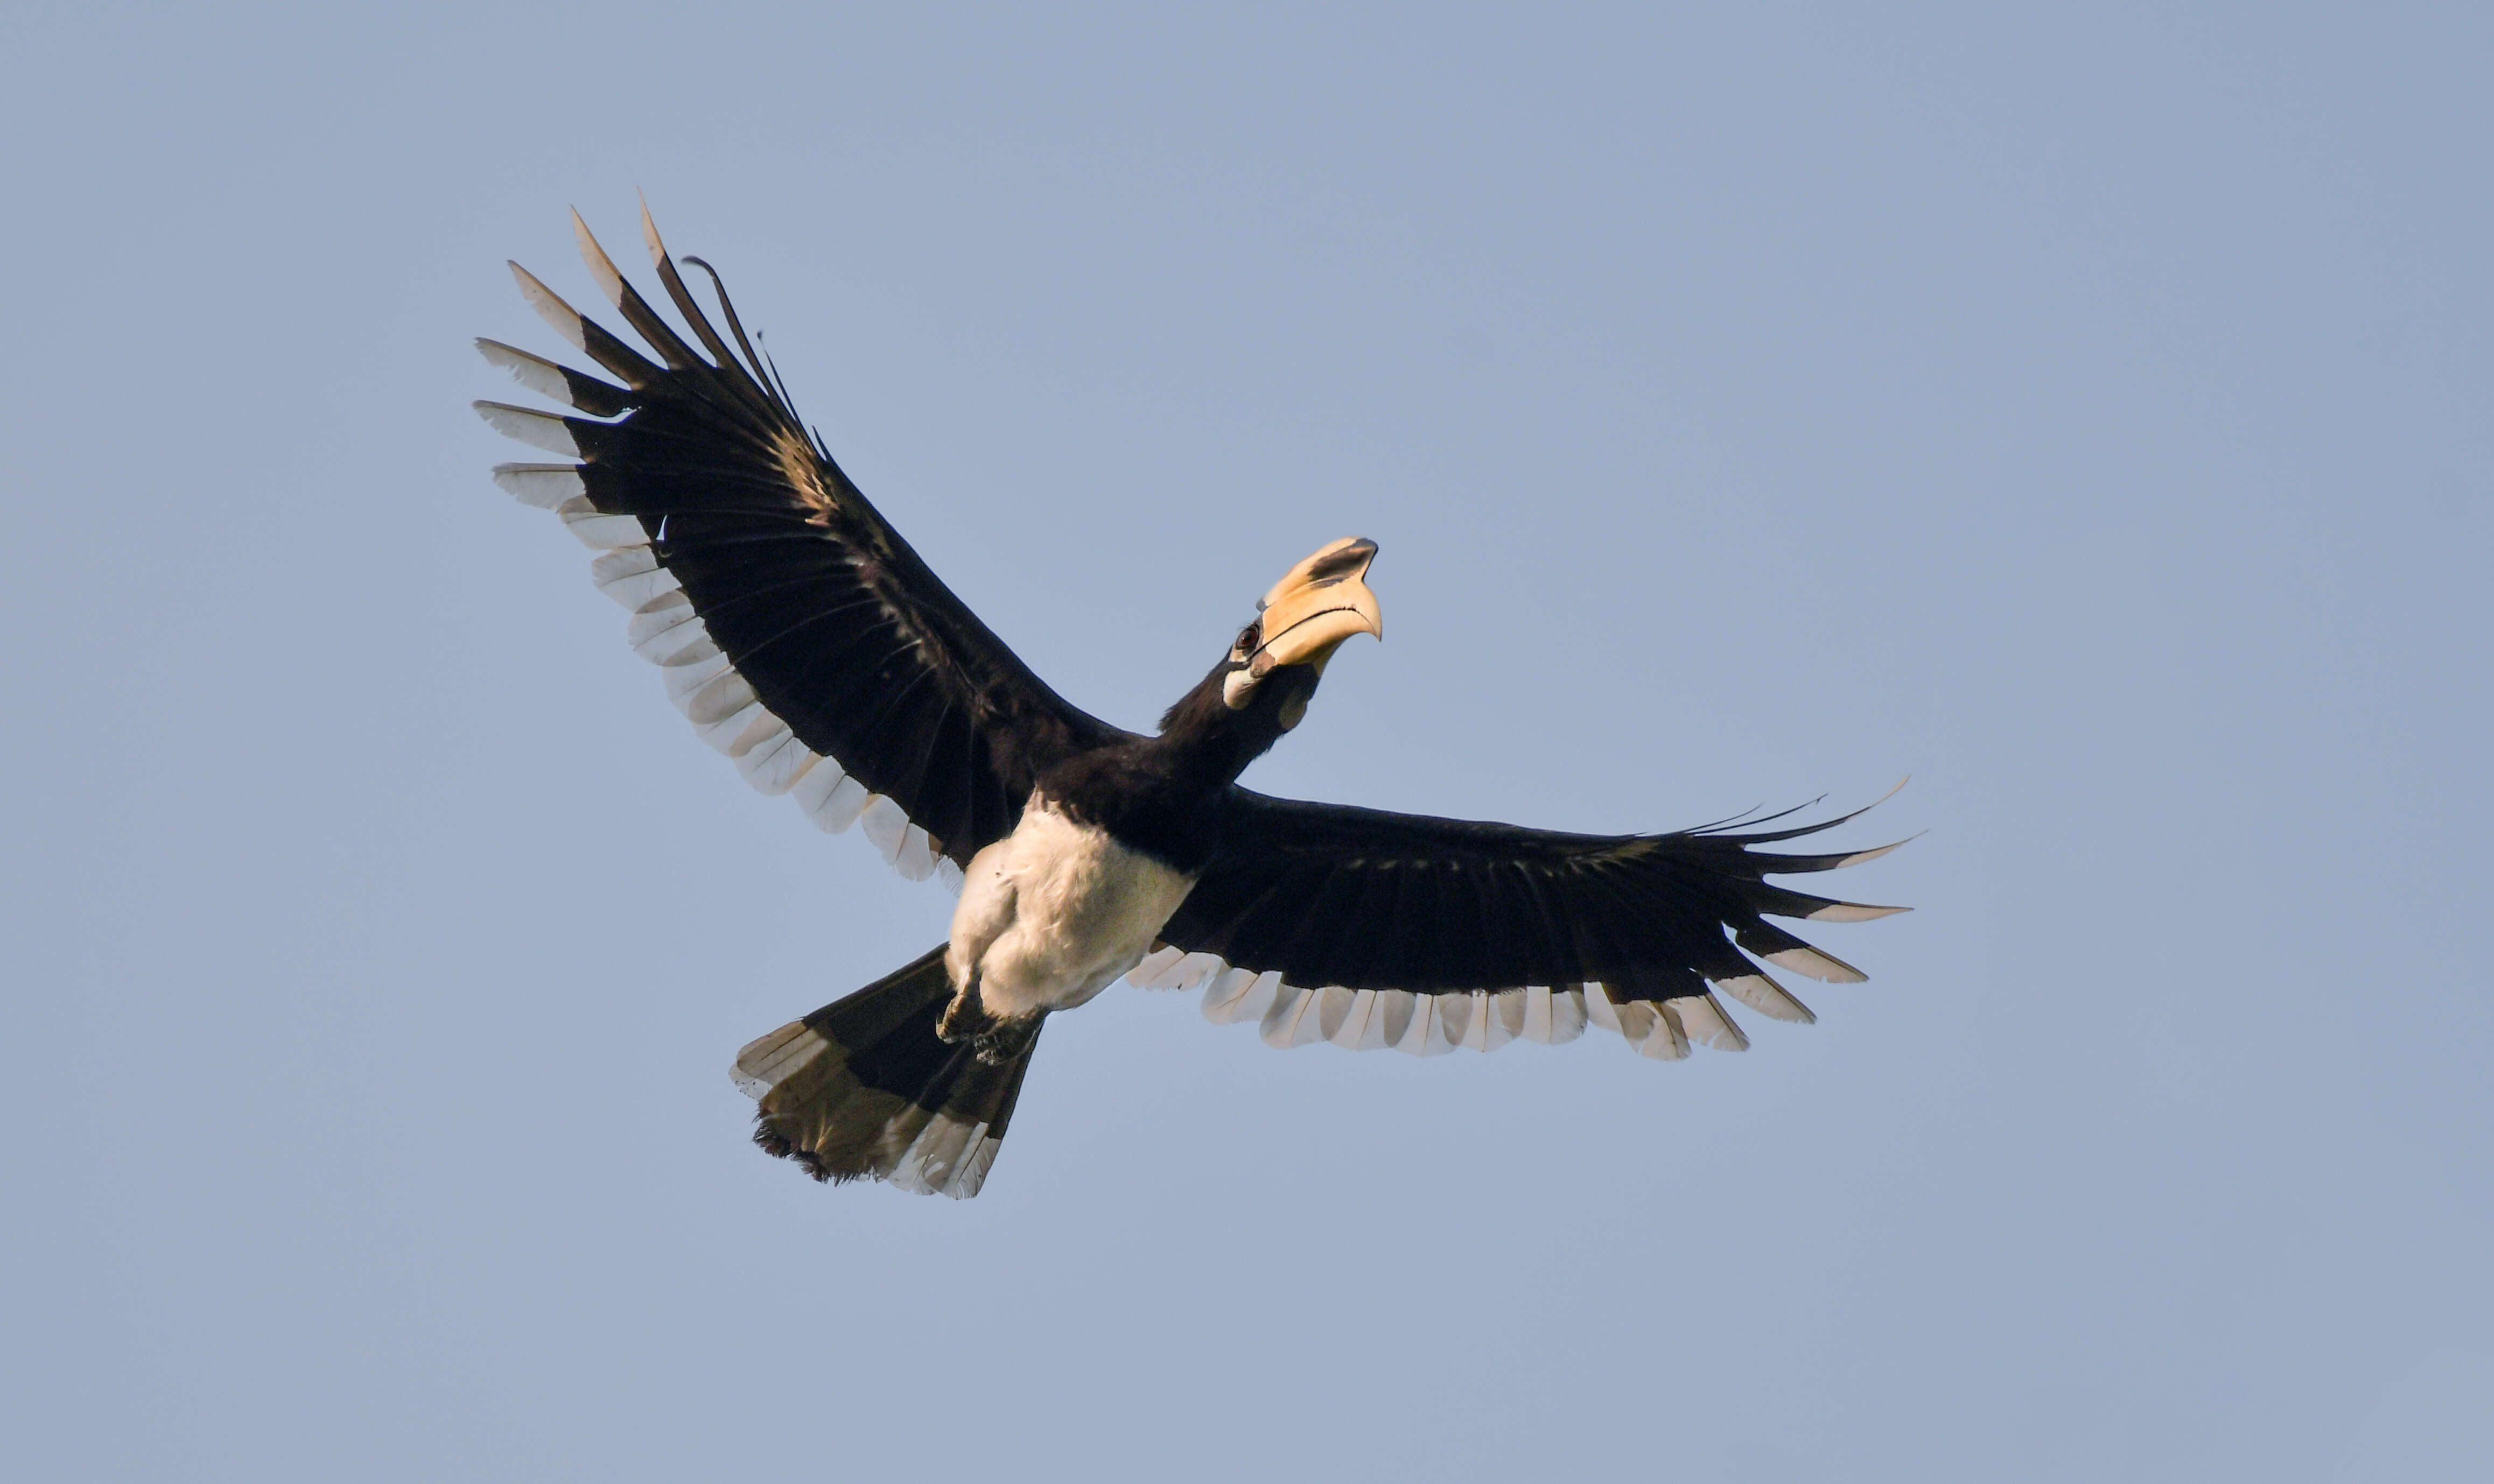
1248,638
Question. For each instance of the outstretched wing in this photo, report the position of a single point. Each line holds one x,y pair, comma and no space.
795,628
1368,928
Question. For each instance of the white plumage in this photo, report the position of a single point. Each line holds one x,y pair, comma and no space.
1051,914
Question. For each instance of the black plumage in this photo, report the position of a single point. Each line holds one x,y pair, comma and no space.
835,624
1366,900
807,639
885,1080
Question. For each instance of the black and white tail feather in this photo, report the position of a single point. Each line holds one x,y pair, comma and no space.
865,1086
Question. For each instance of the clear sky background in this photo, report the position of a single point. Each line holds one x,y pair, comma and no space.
2085,412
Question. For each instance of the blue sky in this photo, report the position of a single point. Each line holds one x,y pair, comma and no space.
2086,413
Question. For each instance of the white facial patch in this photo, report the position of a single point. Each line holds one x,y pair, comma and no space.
1239,686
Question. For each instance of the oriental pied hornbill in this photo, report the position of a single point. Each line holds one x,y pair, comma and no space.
808,642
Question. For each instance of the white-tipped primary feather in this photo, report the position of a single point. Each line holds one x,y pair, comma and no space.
546,486
1637,1020
1293,1019
1506,1018
549,305
597,529
885,824
1537,1013
533,371
631,576
1826,968
1768,998
1220,991
831,797
684,680
698,650
1492,1018
715,699
1225,995
665,627
721,699
1483,1021
916,859
537,429
1153,971
1363,1027
774,764
538,375
1568,1016
1854,912
1643,1026
1395,1009
1707,1024
1333,1008
1193,970
1668,1040
811,789
757,731
601,268
1601,1010
1427,1032
1260,994
650,237
1553,1016
1288,1000
1406,1027
721,736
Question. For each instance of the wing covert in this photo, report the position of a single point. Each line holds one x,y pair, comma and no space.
795,628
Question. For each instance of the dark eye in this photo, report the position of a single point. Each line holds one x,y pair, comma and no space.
1249,637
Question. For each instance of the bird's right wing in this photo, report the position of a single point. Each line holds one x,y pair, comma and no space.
795,628
1369,928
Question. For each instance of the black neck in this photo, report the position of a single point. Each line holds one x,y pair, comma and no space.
1162,794
1208,744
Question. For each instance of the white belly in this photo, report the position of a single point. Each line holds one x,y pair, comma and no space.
1053,914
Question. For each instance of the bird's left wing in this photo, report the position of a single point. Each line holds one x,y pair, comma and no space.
1368,928
795,628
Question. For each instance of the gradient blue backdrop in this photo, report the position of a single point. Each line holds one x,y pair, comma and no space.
2084,410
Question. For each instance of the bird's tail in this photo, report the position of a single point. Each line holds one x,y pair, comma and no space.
863,1086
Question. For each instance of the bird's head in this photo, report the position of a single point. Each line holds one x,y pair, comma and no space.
1264,683
1299,623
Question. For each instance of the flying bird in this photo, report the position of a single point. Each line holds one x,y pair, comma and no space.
807,641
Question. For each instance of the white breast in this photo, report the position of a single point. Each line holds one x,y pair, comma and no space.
1055,912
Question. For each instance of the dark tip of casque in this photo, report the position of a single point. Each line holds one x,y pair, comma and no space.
1351,558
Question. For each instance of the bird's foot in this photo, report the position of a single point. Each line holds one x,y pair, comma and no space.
1005,1039
966,1018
